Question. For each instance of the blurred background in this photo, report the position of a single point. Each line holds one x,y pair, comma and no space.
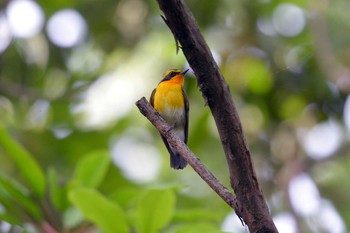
71,71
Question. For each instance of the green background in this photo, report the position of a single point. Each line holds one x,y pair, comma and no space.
77,156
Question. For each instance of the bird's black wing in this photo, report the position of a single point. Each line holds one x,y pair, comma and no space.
187,110
151,99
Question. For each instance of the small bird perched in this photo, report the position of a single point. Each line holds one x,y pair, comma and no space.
170,100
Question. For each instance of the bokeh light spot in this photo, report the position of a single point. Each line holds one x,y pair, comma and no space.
109,98
232,224
25,18
288,20
66,28
131,156
347,112
38,115
304,195
322,140
328,219
130,17
285,223
5,226
265,25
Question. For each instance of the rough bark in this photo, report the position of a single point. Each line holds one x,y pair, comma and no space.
218,97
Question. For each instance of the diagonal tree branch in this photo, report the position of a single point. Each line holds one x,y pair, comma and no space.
153,116
216,93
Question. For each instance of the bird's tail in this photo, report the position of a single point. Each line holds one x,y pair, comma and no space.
176,160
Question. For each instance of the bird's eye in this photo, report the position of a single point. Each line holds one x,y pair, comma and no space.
170,75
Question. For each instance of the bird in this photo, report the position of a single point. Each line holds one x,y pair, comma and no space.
169,98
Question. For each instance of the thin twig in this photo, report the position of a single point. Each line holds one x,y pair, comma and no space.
153,116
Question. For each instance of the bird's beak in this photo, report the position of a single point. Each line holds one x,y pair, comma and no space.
184,72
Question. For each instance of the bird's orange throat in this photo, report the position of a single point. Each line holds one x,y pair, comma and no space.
178,79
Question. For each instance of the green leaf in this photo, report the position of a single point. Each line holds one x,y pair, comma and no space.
191,215
24,161
155,210
58,193
125,196
107,215
9,211
195,227
10,219
20,197
92,169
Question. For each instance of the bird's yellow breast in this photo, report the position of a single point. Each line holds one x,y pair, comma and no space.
168,96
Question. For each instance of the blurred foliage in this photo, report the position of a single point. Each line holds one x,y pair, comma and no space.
73,145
